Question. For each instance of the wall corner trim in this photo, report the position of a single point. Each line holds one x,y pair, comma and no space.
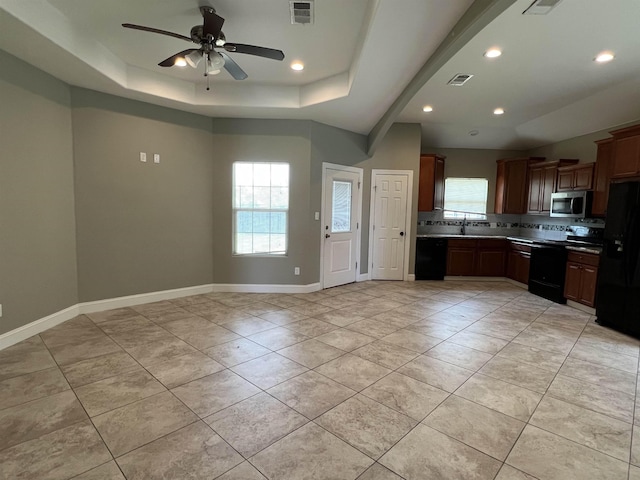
37,326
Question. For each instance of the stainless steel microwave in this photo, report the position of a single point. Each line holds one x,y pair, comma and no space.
571,204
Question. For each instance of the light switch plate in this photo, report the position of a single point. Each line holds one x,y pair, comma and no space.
143,157
156,158
317,216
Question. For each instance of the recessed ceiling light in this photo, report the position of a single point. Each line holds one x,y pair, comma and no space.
492,53
297,66
427,108
180,62
604,57
498,111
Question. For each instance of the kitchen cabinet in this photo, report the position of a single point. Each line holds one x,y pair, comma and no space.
581,278
542,183
575,177
602,177
491,258
431,183
511,184
461,257
626,152
476,257
519,262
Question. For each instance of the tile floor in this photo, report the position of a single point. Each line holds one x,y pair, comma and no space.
369,381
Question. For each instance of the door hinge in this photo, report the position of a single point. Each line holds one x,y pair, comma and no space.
356,265
375,188
357,225
358,185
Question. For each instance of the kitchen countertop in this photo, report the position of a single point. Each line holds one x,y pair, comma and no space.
589,249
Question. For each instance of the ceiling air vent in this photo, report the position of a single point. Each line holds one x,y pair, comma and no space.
460,79
541,7
301,12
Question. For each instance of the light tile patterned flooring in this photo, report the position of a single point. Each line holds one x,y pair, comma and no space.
374,380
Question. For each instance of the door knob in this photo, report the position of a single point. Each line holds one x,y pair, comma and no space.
326,235
402,234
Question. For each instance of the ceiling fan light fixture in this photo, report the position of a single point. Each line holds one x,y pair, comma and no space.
215,62
194,58
180,62
297,66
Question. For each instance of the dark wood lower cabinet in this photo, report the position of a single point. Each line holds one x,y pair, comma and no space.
476,257
491,263
581,278
461,261
519,262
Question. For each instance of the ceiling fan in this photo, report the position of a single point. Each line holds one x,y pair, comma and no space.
210,37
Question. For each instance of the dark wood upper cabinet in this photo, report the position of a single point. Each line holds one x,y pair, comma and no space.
511,184
431,183
626,152
575,177
602,177
542,183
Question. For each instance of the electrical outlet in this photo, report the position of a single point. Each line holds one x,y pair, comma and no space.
296,271
156,158
143,157
317,216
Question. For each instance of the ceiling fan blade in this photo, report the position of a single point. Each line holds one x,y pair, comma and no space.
253,50
232,67
212,23
170,62
155,30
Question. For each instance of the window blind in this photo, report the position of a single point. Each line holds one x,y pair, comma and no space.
465,195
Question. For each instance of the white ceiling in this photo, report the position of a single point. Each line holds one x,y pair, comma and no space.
359,55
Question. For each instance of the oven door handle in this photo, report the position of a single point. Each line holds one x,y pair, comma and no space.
573,210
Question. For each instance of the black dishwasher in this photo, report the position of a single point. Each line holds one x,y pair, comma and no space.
431,258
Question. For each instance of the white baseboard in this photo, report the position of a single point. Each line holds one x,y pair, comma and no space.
142,298
263,288
30,329
411,277
363,277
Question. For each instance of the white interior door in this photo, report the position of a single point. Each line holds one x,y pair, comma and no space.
390,237
341,213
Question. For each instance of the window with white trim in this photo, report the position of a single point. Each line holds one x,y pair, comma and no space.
260,208
465,197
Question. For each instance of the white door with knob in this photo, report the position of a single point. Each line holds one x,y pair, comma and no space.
390,216
341,224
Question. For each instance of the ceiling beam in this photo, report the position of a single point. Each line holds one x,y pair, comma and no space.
480,14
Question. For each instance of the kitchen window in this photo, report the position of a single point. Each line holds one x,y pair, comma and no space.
260,208
465,197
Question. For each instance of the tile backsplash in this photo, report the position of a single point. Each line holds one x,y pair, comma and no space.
530,226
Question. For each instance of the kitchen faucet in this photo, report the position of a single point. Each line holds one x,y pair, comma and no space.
463,230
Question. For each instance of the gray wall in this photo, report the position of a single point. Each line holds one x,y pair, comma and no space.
474,163
141,227
263,141
581,147
37,224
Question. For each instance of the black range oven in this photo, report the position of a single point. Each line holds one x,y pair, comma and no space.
548,270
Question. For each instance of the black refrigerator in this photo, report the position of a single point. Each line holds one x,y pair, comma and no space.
618,299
